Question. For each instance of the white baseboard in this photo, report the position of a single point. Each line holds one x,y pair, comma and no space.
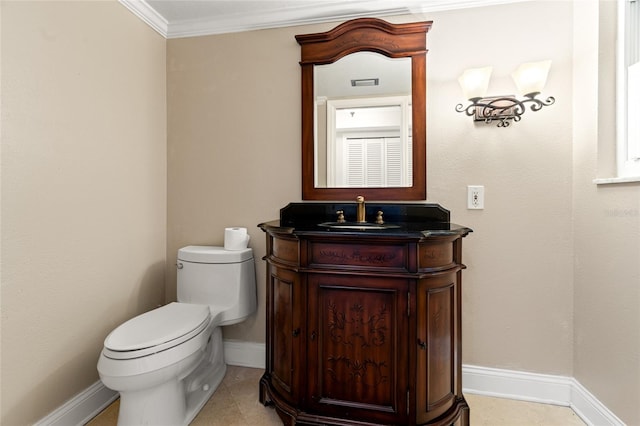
90,402
542,388
82,407
244,354
590,409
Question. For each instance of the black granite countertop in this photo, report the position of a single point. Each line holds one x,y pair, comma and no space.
401,220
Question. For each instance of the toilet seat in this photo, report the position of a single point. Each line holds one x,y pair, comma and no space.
157,330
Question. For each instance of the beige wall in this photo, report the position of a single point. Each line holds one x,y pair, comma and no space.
233,144
83,192
606,231
518,288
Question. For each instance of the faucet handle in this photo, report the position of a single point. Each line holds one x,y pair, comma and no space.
379,220
340,214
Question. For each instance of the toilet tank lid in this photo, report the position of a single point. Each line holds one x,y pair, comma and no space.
213,254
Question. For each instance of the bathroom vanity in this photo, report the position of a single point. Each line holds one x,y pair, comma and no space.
363,319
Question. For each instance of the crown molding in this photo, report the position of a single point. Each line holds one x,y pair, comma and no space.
298,15
146,13
303,13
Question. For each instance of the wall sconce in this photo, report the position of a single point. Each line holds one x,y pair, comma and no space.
530,79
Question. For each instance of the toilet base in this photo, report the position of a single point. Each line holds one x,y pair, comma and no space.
178,401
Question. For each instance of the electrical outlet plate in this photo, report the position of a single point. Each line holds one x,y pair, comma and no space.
475,197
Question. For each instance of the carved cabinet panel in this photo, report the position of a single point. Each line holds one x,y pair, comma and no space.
353,255
438,346
286,349
357,357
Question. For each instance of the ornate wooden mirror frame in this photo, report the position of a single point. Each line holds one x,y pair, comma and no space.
393,41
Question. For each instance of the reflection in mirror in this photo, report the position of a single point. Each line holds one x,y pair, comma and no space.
363,122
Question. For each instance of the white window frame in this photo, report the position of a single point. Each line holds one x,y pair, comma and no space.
627,114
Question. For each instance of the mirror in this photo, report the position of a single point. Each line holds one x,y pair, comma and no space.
363,122
363,111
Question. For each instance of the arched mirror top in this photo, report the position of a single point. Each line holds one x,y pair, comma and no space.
319,144
364,34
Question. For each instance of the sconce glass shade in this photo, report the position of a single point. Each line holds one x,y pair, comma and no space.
531,77
474,82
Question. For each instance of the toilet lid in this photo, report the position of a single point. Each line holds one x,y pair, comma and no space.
156,330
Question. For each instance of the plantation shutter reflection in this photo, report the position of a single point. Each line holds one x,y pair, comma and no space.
374,162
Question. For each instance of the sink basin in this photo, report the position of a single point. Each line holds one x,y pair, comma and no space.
357,226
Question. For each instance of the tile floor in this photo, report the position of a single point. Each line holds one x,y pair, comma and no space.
235,403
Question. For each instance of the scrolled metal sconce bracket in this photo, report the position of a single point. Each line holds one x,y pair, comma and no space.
503,108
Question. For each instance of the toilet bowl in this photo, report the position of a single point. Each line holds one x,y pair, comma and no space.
166,363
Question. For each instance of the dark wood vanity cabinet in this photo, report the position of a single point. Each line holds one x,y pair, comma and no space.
363,329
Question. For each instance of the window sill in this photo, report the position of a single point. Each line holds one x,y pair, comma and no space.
622,179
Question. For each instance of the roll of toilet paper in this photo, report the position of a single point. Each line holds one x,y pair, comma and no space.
235,238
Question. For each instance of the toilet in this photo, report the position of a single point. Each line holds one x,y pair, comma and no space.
166,363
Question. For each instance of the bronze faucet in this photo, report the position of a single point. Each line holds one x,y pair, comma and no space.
360,212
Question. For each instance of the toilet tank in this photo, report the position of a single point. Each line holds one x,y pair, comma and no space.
223,279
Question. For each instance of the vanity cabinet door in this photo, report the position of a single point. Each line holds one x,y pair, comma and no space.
438,331
286,350
357,334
